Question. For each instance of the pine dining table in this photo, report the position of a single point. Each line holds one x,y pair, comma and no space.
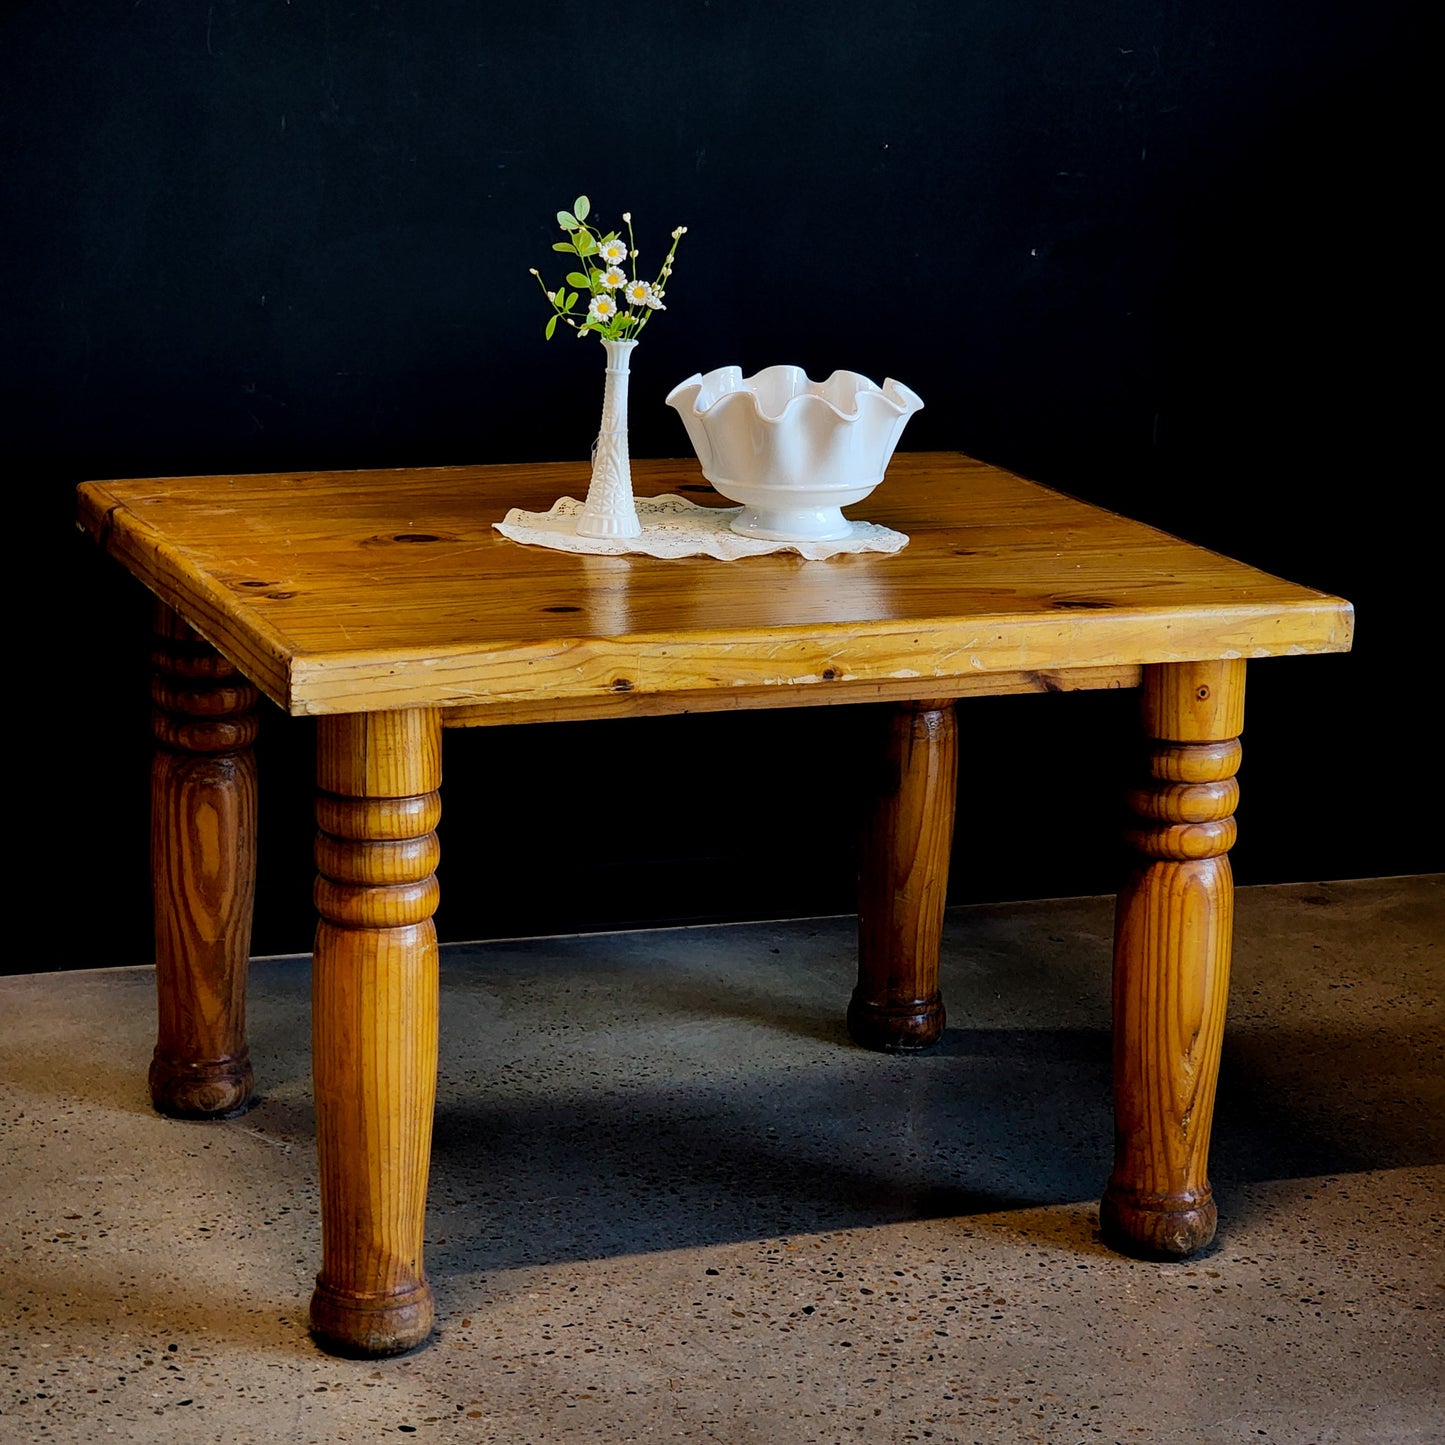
385,605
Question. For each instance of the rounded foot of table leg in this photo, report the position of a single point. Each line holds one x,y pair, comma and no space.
218,1089
896,1029
1172,1227
370,1326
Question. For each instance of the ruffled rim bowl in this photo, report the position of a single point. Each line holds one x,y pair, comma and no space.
792,450
778,390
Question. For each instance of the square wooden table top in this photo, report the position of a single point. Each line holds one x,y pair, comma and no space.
340,592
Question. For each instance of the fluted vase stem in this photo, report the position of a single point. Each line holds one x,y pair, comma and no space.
609,510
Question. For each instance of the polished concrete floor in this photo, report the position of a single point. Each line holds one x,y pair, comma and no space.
670,1201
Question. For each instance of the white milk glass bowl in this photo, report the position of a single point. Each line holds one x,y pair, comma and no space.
792,451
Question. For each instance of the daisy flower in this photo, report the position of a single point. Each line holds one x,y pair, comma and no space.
640,293
613,277
603,308
613,252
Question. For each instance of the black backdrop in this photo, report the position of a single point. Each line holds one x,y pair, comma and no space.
1171,258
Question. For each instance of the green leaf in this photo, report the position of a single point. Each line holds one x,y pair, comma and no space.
564,246
576,278
580,207
567,220
586,246
571,300
550,328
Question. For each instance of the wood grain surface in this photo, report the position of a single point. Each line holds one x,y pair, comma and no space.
374,1026
203,873
903,879
1173,932
364,591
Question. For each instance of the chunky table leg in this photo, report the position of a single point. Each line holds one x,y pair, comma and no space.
1173,931
374,1025
203,872
903,882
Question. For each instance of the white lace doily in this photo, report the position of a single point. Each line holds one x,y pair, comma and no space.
674,527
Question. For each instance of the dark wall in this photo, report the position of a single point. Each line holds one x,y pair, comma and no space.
1169,258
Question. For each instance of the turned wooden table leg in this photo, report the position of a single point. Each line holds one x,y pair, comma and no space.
903,882
1173,931
374,1025
203,872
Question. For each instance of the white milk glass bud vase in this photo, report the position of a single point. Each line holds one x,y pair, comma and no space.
609,510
